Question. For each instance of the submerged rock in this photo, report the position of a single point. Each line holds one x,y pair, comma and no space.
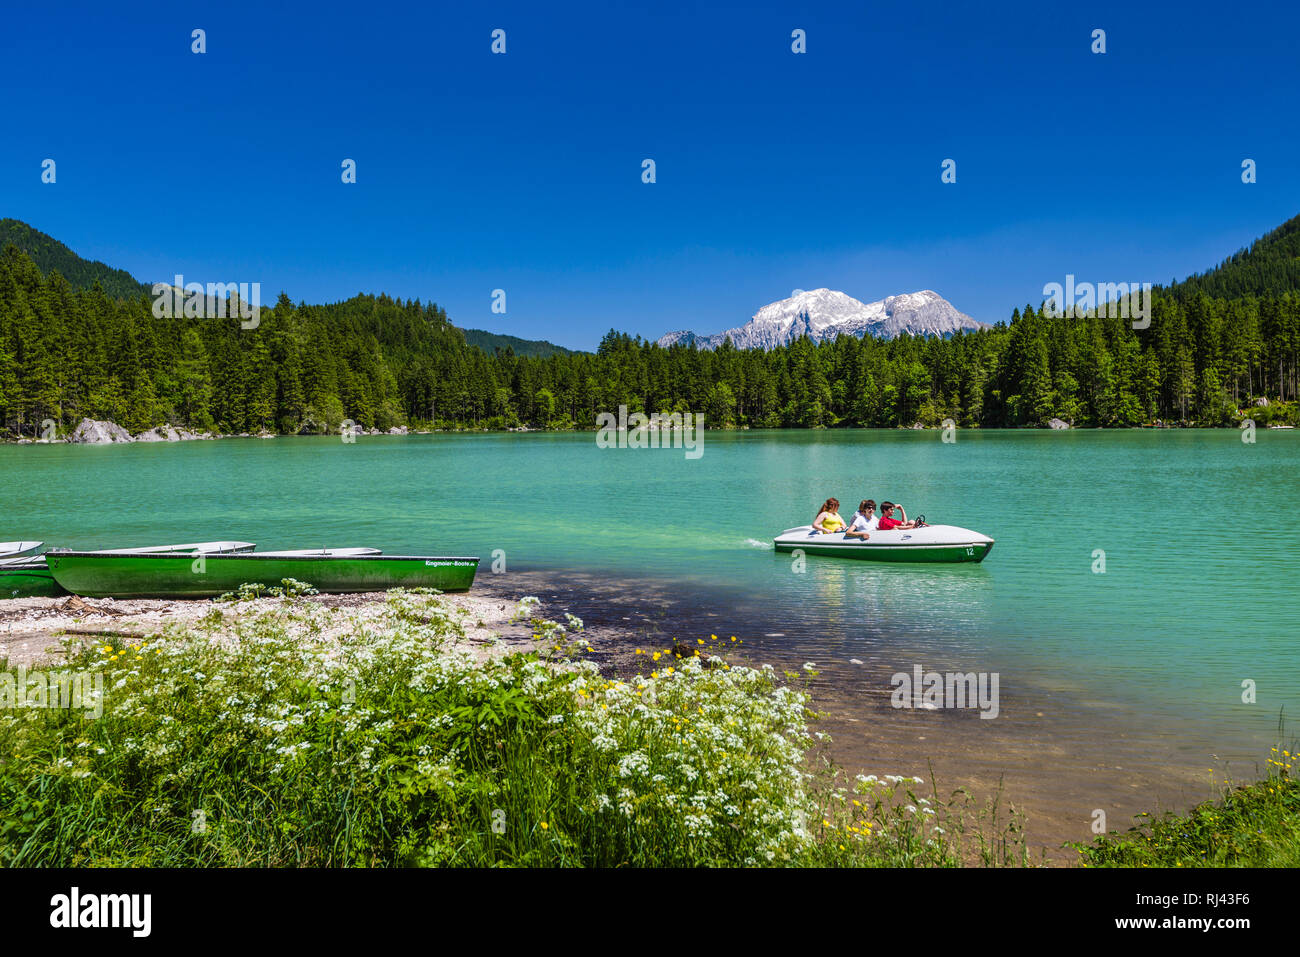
94,432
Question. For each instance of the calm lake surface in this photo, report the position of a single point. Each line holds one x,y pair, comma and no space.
1119,690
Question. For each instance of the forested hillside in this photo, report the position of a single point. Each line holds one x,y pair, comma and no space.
1269,268
51,255
67,353
490,342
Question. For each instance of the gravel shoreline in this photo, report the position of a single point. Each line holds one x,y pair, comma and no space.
32,629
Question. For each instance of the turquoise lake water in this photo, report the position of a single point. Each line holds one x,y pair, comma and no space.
1142,664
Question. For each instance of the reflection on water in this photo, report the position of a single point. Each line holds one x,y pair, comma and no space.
868,595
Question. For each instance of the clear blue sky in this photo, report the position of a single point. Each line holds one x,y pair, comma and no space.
775,170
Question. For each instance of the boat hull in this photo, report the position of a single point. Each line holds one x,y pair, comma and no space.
930,544
100,575
28,580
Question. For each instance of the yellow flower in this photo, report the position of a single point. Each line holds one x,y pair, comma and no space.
589,648
544,825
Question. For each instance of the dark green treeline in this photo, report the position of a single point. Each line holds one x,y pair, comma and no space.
66,353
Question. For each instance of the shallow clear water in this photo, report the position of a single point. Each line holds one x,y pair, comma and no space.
1142,663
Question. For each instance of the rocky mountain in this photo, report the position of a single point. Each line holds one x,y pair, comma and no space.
825,314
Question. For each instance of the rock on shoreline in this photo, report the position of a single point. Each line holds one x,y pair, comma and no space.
94,432
165,433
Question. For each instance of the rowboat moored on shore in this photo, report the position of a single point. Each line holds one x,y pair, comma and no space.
330,552
122,575
929,543
207,548
29,576
16,549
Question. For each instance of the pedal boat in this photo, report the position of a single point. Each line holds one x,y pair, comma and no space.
930,543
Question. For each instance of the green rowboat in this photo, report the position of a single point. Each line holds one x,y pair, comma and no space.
30,575
136,575
27,577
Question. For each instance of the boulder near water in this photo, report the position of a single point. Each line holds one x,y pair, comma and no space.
95,432
163,433
167,433
1058,423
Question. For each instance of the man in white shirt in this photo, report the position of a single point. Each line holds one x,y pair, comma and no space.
864,521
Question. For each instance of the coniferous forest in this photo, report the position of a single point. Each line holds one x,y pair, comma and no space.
77,340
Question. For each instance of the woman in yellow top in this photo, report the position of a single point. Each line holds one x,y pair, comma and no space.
828,520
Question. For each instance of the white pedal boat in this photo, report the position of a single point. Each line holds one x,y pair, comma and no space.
930,543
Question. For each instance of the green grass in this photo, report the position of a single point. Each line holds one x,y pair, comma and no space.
309,736
1252,825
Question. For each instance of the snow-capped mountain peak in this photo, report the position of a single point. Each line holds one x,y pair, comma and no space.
826,313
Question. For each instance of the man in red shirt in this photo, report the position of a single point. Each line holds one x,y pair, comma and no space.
887,519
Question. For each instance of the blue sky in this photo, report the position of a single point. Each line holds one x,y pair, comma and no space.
775,171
